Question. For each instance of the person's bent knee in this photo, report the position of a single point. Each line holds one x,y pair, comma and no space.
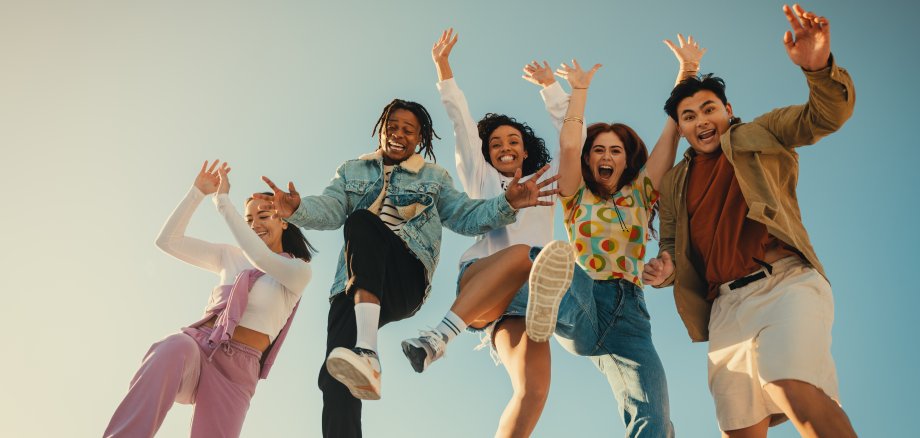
519,256
176,346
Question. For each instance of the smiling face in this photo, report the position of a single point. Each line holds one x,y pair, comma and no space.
506,150
267,226
400,136
702,119
607,160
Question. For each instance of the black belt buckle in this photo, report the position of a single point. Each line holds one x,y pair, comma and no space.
744,281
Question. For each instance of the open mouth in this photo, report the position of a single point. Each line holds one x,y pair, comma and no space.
605,171
262,233
706,135
506,158
396,147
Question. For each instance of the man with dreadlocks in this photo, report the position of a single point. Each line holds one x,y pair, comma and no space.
392,204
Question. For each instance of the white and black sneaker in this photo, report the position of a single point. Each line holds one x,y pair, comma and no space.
424,350
550,277
358,369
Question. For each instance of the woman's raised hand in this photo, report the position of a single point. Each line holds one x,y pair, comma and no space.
223,187
577,78
440,51
208,178
688,52
539,74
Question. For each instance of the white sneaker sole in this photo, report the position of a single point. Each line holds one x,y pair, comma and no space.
550,278
354,373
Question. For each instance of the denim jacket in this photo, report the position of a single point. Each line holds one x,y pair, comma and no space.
424,195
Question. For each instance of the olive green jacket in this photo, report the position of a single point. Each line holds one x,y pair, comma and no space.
767,168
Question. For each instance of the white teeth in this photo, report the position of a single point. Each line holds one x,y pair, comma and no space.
707,134
606,168
506,158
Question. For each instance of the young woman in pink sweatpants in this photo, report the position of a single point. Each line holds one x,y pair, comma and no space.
216,362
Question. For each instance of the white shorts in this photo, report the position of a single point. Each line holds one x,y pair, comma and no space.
775,328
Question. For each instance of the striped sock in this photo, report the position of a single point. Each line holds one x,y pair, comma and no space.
451,326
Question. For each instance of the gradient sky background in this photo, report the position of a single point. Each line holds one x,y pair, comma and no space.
108,108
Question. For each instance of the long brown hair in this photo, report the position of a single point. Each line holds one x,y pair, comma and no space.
636,157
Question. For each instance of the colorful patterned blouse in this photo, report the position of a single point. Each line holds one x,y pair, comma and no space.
610,235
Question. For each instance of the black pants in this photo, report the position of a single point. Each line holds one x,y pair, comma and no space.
379,262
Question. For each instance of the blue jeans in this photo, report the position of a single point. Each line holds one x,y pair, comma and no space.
608,322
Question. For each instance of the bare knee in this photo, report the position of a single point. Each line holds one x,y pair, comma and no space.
519,258
533,392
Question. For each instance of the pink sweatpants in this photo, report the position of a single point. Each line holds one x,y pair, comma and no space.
178,369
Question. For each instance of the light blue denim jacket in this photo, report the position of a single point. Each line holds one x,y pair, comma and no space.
424,195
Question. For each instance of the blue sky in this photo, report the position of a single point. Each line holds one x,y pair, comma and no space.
108,108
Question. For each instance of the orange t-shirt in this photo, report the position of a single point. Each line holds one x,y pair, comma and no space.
720,232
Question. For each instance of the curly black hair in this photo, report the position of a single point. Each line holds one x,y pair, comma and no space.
537,155
426,130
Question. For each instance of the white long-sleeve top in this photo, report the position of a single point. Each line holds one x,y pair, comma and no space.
534,225
273,296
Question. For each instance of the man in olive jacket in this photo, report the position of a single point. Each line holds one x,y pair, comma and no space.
745,275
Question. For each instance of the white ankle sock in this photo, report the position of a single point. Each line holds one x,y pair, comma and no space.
367,318
451,326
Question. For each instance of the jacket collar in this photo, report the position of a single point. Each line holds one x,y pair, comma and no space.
413,164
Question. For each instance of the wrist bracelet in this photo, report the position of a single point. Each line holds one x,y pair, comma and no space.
574,119
579,88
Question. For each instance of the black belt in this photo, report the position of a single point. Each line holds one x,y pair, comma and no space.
744,281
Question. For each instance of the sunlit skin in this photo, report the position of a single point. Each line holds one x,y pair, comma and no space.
506,150
266,225
702,119
607,160
400,136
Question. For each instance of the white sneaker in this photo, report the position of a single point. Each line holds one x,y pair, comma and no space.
424,350
550,278
358,369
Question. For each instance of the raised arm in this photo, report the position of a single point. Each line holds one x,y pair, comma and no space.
554,97
293,273
570,139
172,239
471,166
831,97
661,159
323,212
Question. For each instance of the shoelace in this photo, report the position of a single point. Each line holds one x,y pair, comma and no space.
433,339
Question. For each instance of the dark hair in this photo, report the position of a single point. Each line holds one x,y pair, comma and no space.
692,85
636,157
293,241
426,131
537,155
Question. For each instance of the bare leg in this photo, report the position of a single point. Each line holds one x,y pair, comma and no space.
490,283
363,296
528,366
813,413
758,430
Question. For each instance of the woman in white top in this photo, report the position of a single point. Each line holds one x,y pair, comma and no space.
493,270
216,362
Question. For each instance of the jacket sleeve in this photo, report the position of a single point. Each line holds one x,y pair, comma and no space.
667,220
471,165
327,211
293,273
831,99
173,241
471,217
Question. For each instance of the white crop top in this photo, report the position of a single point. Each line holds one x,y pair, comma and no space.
273,295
